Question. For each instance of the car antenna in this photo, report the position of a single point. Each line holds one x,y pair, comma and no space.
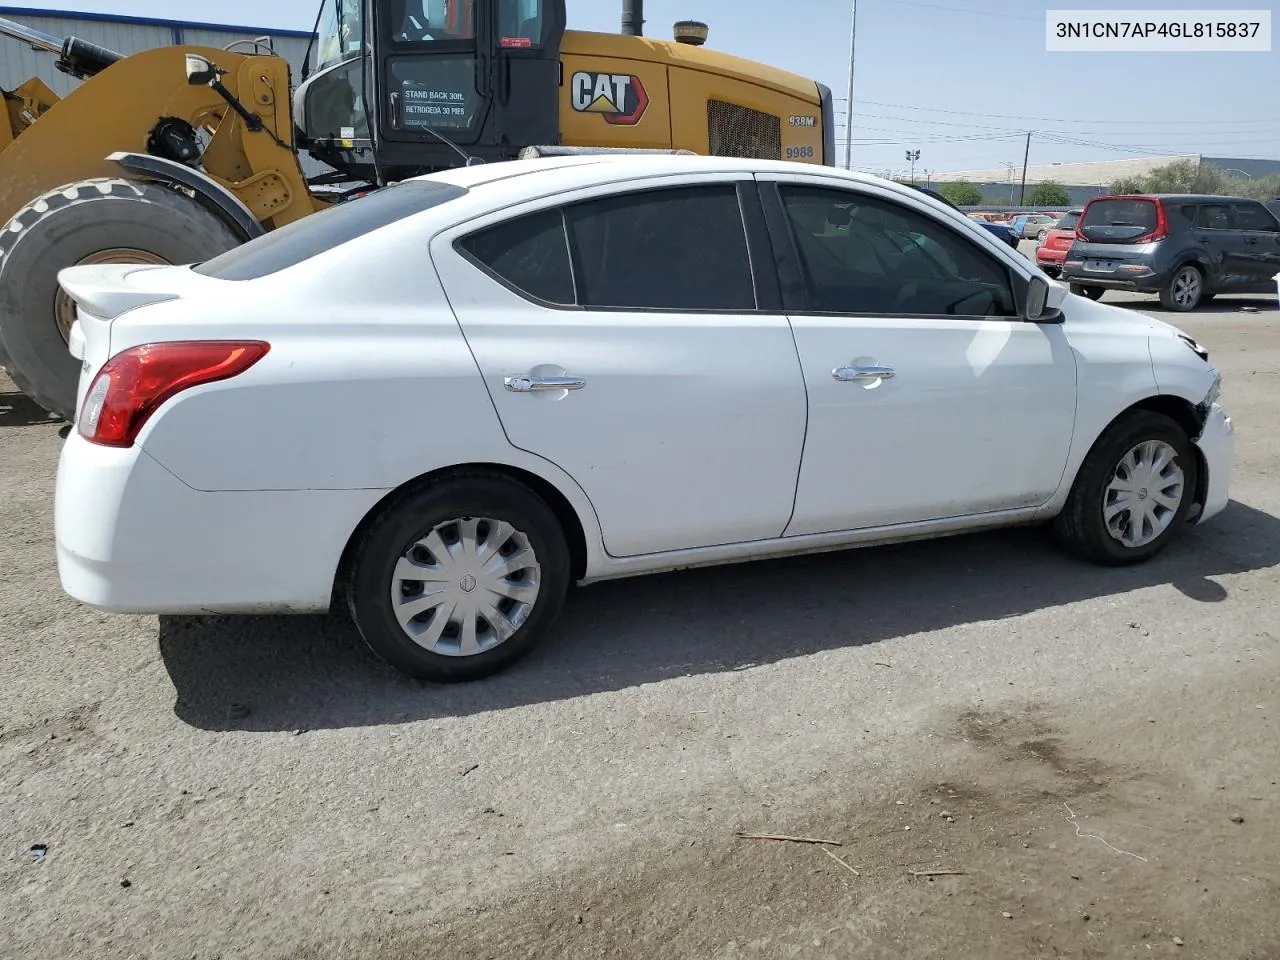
470,160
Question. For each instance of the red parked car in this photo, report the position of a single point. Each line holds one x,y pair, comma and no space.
1051,253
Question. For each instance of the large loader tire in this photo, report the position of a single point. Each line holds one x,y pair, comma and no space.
103,220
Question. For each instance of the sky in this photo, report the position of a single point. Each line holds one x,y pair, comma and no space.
962,81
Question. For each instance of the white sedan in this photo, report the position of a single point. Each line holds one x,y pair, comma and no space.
442,404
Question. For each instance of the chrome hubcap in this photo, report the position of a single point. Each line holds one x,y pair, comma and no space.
465,587
1186,287
1144,494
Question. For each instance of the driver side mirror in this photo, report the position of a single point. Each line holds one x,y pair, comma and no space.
1036,304
200,72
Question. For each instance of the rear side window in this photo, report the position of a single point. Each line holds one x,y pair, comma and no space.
1253,216
683,248
530,254
305,238
1214,216
1118,220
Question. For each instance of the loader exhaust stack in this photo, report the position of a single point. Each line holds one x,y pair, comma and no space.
633,18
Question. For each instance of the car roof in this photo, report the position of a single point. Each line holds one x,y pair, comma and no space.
582,170
1176,197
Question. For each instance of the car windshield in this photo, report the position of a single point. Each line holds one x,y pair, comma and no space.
340,33
1118,219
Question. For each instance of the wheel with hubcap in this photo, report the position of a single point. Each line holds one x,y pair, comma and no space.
459,578
1133,492
1185,289
1042,235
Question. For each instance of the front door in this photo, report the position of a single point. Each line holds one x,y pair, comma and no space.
1260,236
620,338
929,398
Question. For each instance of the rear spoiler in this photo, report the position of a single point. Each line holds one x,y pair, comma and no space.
103,291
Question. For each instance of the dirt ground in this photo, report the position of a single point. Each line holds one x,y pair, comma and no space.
1088,759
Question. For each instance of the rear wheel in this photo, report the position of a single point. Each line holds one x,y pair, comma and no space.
1133,492
460,578
105,220
1042,235
1083,290
1185,289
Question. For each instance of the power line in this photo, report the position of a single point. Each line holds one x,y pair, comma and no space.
1012,116
970,10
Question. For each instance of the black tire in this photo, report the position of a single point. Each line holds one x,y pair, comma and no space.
63,227
1054,272
408,519
1174,298
1083,290
1081,525
1042,235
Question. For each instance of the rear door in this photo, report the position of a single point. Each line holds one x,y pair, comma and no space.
623,337
1260,233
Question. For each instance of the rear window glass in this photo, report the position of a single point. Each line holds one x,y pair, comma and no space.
1068,221
1118,220
305,238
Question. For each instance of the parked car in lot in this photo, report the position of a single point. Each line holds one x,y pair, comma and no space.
1032,226
1186,248
1053,248
1000,230
445,402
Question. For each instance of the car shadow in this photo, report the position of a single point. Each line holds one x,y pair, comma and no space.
19,410
309,673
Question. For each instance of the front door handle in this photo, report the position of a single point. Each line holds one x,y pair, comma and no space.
846,374
528,384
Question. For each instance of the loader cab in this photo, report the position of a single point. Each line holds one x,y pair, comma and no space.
394,76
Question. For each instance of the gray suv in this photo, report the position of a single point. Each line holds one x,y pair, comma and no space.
1186,248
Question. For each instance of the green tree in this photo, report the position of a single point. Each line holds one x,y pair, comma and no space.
962,193
1049,193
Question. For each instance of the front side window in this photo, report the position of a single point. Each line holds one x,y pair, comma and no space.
1253,216
863,255
520,23
677,249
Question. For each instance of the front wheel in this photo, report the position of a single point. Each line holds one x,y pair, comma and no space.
1133,492
459,578
1082,290
1184,291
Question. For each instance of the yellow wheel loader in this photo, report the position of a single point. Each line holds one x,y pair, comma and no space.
175,154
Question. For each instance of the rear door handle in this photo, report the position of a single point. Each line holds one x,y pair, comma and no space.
847,374
528,384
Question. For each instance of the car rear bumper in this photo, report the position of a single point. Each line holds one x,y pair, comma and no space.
1050,258
133,538
1217,442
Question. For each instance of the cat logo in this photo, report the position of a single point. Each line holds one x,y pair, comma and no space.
620,98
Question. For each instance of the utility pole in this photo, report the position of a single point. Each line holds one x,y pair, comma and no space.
1022,197
913,156
848,115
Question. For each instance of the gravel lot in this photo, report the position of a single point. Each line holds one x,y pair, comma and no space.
1095,750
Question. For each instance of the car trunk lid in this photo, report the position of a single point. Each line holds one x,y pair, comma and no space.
105,292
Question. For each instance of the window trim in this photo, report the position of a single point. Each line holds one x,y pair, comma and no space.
791,266
745,192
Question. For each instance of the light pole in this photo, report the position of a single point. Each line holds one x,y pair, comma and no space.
848,115
913,156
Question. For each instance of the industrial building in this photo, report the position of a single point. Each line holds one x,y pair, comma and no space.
1001,185
126,35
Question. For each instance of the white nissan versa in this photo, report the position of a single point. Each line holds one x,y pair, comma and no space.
450,399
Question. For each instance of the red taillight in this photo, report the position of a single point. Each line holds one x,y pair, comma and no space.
1162,225
132,385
